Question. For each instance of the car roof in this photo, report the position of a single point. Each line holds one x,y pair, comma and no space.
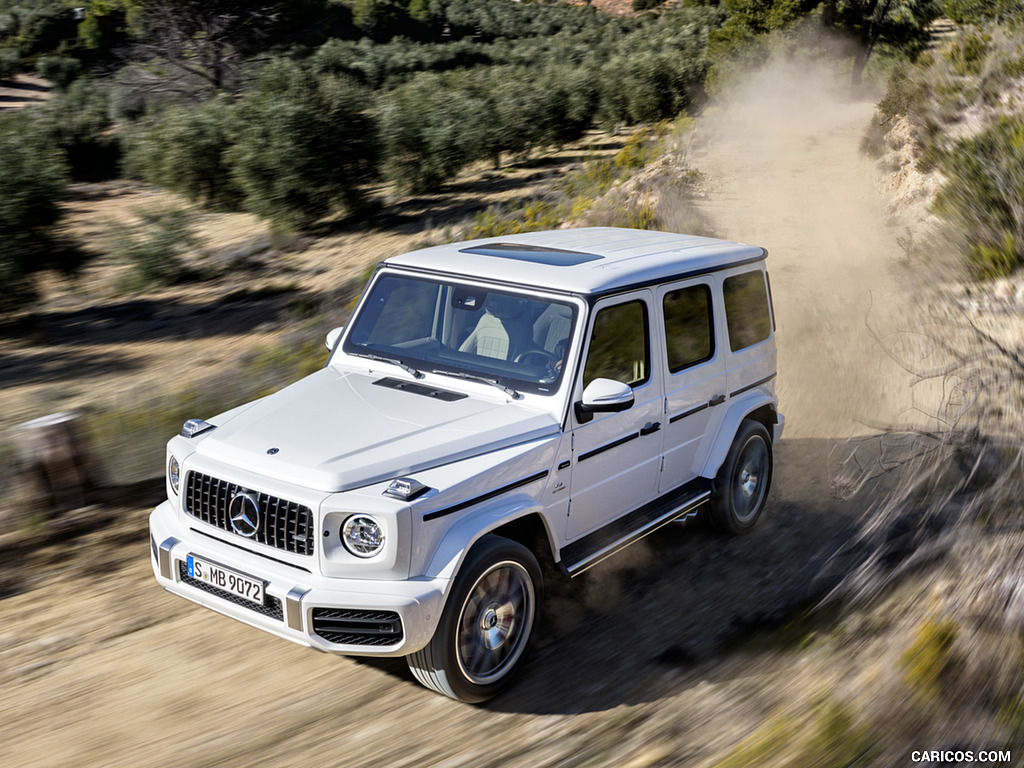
591,260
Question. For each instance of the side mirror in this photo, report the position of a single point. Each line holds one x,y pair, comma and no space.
604,396
332,337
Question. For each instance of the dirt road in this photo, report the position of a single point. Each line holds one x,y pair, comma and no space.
638,665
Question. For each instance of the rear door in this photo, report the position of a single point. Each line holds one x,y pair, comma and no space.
752,358
695,376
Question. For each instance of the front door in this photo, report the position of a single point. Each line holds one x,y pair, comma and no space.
616,456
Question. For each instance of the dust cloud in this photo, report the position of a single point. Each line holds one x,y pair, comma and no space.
784,171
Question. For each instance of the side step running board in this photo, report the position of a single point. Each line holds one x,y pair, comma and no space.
590,550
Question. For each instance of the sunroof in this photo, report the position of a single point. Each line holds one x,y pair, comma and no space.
555,257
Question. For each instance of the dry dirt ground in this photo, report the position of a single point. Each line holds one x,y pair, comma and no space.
21,91
642,661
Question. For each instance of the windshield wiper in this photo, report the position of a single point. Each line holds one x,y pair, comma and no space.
393,360
482,379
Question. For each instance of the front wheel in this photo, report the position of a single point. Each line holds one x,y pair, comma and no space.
742,483
486,625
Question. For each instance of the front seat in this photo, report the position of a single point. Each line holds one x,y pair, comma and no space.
502,331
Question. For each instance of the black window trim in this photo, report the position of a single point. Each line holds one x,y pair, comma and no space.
592,318
768,302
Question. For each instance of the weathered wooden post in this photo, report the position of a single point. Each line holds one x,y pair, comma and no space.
53,463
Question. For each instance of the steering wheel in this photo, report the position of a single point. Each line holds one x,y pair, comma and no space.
546,358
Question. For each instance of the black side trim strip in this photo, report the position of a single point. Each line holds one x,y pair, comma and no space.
608,447
756,384
690,412
484,497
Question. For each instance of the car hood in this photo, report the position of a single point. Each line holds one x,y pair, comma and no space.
334,431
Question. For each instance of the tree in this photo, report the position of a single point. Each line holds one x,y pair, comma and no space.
901,24
185,150
304,145
200,45
32,183
430,131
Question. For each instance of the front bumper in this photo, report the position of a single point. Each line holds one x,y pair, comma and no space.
299,605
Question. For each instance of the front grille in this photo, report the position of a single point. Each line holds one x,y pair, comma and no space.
283,524
350,627
271,608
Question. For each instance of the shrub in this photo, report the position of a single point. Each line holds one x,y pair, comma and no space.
980,11
430,132
78,122
10,63
926,659
305,144
154,246
59,70
981,196
33,181
185,149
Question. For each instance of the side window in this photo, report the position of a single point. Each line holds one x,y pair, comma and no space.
746,309
688,328
619,347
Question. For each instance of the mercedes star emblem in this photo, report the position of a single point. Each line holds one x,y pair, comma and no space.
244,513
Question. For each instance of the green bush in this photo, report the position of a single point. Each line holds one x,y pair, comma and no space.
10,63
78,123
967,53
185,149
980,11
305,144
926,660
61,71
982,196
32,184
430,131
903,96
154,245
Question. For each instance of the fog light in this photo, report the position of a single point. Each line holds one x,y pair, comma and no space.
174,473
362,536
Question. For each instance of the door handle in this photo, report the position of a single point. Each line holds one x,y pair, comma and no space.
650,428
717,400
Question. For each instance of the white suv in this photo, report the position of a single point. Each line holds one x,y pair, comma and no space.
494,406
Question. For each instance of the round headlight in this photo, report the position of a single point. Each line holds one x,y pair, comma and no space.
173,473
362,536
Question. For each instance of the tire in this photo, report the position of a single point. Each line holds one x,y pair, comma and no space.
742,484
487,622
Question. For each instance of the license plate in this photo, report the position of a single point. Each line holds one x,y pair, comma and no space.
227,579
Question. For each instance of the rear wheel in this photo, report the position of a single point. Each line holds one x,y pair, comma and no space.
742,484
487,623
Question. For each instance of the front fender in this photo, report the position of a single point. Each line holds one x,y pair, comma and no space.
460,538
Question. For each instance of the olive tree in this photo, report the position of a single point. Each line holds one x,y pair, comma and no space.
32,184
305,144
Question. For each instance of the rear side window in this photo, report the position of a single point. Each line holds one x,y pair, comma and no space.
746,309
688,335
618,345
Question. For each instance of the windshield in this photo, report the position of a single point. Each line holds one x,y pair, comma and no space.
429,325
